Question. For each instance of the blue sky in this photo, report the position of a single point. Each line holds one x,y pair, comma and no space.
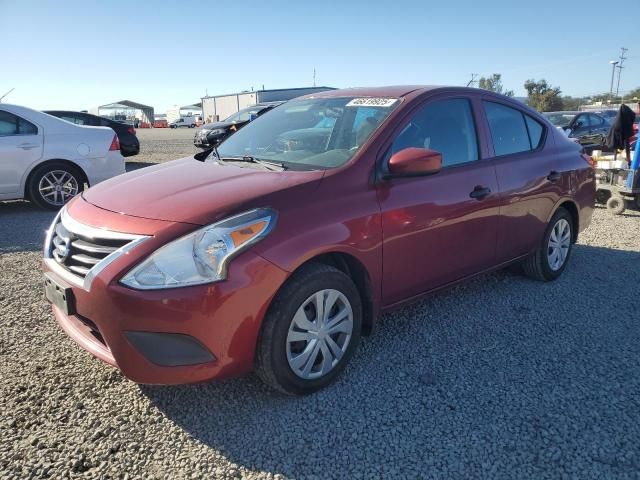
79,54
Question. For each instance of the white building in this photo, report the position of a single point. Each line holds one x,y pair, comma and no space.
220,107
176,111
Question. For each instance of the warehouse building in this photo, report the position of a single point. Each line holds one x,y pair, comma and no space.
175,112
125,110
220,107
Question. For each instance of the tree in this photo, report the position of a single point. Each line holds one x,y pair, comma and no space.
542,96
494,84
572,103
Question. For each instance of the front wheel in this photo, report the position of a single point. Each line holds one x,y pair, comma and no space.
550,259
310,332
54,184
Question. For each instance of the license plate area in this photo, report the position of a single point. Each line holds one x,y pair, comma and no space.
59,294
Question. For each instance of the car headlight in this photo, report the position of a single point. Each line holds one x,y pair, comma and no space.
203,132
201,256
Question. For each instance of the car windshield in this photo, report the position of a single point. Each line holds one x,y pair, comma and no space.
318,133
243,115
560,119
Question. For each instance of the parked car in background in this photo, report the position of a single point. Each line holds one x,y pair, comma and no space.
48,160
587,128
277,257
608,114
188,122
129,144
211,134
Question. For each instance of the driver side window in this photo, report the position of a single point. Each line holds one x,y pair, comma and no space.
446,126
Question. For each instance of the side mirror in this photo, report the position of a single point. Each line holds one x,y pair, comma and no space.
413,161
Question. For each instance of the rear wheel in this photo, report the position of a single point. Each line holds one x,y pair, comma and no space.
550,259
54,184
311,331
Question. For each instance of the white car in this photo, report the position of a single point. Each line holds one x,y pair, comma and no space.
48,160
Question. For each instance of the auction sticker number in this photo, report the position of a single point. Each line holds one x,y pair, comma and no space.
372,102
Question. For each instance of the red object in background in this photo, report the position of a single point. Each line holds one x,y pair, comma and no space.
437,232
160,124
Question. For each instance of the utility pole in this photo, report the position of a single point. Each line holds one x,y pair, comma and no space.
613,72
314,76
6,94
620,67
473,80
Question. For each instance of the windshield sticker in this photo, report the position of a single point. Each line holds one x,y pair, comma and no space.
372,102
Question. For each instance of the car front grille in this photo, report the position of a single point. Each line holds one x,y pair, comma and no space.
78,253
81,251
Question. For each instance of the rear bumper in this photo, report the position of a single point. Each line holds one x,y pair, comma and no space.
130,147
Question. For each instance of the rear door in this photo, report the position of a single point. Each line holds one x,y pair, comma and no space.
531,180
20,146
436,229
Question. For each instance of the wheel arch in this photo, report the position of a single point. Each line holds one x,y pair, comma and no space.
25,185
356,270
572,208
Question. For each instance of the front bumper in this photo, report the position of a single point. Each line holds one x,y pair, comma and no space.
148,334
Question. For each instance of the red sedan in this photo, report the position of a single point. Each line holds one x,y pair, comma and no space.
278,250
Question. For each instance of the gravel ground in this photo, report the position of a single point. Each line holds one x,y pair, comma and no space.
502,377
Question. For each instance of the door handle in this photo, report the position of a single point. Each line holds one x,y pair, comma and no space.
27,146
553,176
480,192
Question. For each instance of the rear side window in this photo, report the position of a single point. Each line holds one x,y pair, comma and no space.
535,131
446,126
511,130
11,124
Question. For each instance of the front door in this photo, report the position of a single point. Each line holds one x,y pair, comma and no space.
20,146
443,227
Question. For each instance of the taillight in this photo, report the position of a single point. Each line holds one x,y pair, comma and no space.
589,160
131,130
115,144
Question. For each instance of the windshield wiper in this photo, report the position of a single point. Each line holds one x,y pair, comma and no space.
274,166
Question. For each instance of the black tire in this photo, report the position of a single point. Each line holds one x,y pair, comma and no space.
33,191
616,204
271,363
536,266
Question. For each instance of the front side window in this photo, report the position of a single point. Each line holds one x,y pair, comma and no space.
446,126
508,129
11,124
316,133
596,120
582,121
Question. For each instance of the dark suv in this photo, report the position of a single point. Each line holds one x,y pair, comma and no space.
211,134
129,144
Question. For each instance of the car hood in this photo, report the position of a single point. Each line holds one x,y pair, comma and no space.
201,193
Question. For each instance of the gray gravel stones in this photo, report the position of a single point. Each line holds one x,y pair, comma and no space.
502,377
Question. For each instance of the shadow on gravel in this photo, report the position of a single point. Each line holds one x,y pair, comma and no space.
502,374
133,166
23,226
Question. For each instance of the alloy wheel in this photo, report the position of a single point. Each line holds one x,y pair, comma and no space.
558,245
57,187
319,334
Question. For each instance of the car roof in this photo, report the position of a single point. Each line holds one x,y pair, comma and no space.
392,91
